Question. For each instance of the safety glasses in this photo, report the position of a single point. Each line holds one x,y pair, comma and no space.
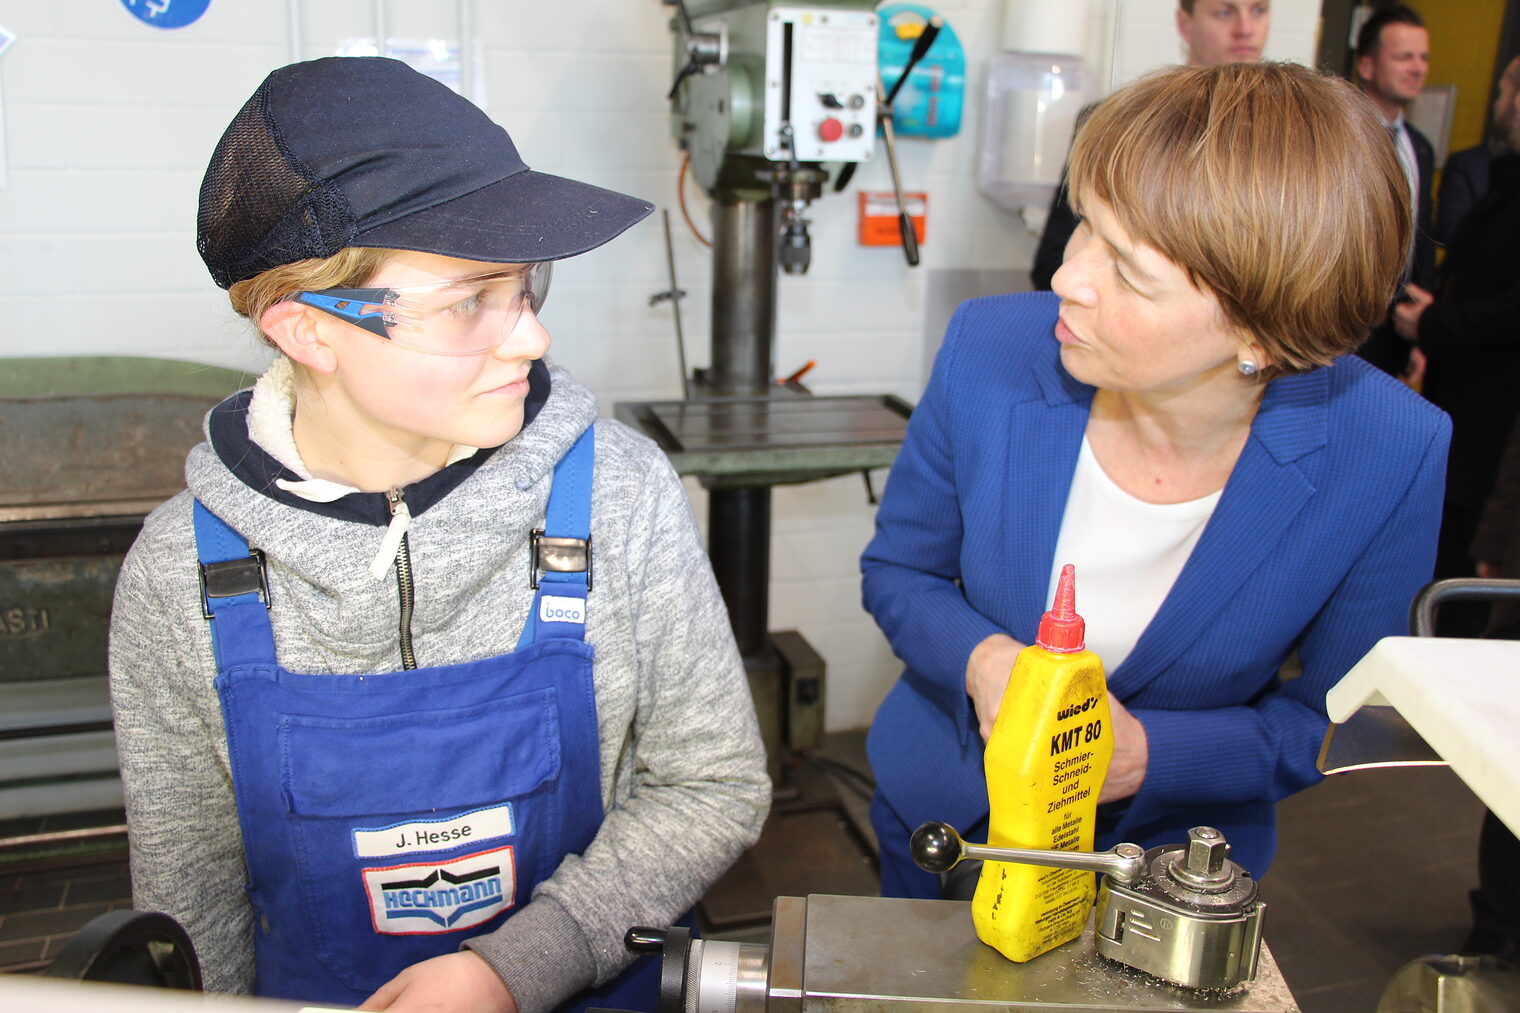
465,316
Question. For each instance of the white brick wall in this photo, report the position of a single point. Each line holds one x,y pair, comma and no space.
108,125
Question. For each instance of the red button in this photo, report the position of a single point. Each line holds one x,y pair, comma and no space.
830,130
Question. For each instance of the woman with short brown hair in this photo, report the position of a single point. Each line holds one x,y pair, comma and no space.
1180,420
1263,184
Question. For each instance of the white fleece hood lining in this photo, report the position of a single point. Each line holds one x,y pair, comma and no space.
271,421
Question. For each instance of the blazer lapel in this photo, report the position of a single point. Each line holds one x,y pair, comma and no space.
1265,493
1041,459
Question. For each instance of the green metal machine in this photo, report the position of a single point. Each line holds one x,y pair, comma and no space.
90,446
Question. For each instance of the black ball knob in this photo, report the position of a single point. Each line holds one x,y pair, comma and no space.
935,847
642,939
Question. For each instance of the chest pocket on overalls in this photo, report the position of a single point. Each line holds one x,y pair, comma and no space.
406,826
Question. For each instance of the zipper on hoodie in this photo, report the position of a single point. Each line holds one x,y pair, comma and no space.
404,585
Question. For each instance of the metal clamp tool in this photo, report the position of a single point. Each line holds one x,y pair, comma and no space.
1182,912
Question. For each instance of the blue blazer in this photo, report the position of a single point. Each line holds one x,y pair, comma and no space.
1320,539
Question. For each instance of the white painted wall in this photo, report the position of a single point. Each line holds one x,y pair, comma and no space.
108,125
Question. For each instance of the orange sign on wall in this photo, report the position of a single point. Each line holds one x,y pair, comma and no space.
878,217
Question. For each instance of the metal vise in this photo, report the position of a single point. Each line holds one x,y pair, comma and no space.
882,954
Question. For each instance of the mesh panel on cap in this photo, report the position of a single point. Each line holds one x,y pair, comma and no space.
260,207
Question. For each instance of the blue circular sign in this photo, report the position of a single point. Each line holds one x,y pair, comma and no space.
166,13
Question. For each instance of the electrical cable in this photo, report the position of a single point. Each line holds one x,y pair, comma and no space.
681,199
856,780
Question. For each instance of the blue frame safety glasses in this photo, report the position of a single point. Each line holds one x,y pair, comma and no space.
464,316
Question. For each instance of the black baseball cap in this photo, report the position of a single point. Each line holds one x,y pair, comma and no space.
366,151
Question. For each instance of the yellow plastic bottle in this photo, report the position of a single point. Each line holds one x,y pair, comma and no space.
1045,762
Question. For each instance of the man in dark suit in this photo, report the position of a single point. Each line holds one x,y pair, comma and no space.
1464,181
1215,32
1470,336
1393,55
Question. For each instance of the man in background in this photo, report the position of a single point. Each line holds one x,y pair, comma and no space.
1223,31
1214,32
1495,548
1464,181
1470,336
1392,59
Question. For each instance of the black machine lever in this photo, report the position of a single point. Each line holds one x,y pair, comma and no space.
673,946
920,50
643,940
702,48
904,220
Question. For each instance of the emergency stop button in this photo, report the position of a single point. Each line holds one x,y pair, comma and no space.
830,130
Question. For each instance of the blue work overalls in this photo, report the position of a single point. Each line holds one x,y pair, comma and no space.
386,818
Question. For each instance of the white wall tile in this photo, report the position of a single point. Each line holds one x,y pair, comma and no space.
102,263
602,82
31,20
98,201
635,140
106,137
196,327
583,26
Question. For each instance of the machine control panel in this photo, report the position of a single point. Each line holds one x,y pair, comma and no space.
775,81
820,84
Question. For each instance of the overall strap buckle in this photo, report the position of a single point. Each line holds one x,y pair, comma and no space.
234,577
548,554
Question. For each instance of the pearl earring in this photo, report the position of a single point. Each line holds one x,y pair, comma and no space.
1246,367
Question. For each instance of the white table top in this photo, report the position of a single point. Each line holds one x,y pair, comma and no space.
1462,696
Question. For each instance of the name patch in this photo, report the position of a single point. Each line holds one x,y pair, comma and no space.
553,608
426,898
434,835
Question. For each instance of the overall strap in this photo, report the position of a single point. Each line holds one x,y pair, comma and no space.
559,555
234,593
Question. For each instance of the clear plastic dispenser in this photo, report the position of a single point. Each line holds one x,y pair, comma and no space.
1036,88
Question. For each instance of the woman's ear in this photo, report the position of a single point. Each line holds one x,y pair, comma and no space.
1253,354
296,331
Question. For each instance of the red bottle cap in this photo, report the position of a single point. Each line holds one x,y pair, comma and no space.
1061,629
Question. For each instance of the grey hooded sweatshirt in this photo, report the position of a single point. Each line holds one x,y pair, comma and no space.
682,768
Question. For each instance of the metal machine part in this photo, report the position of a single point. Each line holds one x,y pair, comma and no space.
704,974
766,95
767,92
130,948
1194,919
775,81
1183,912
904,220
1453,984
787,438
796,187
754,104
93,444
843,954
937,848
700,49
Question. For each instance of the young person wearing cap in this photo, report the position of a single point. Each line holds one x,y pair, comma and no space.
424,691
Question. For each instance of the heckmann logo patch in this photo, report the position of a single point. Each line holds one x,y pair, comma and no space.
427,898
553,608
434,835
